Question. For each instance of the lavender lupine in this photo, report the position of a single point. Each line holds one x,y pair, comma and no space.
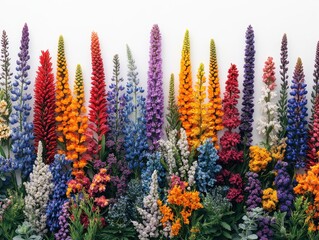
64,232
284,187
22,129
246,127
253,188
155,95
135,139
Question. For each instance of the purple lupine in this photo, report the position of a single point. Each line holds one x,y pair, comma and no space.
246,127
264,225
284,187
253,188
155,95
64,232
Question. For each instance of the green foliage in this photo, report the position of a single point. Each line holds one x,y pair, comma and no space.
218,217
249,227
26,232
117,233
172,117
12,215
80,207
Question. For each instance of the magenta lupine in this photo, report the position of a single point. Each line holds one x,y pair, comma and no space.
155,95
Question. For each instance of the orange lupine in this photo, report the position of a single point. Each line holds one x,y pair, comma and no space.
185,95
214,95
63,98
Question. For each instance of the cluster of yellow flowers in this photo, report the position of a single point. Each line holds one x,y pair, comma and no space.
4,127
179,208
278,151
269,199
259,159
308,185
202,117
214,95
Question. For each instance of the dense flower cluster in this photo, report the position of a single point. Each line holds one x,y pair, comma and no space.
38,190
98,186
253,188
269,199
297,122
313,134
207,168
265,231
64,232
4,127
155,96
259,159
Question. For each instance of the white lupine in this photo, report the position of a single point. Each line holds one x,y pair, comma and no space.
4,127
268,119
191,175
184,151
38,190
150,213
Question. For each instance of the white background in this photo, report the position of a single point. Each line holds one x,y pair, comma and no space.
120,22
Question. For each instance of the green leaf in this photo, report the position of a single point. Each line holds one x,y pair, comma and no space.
2,153
252,236
225,225
227,235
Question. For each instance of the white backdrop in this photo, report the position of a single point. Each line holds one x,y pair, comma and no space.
121,22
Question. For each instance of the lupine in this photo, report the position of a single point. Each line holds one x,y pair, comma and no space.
230,157
315,87
135,139
283,96
22,129
38,190
214,95
44,108
98,103
64,232
247,120
150,213
268,125
63,98
172,117
284,188
185,94
253,188
155,95
202,116
61,173
78,124
207,168
265,231
297,122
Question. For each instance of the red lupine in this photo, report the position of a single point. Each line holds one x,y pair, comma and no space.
44,108
98,103
229,155
313,142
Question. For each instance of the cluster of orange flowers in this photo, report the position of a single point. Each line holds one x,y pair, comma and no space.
269,199
179,208
202,117
216,107
185,96
259,159
308,185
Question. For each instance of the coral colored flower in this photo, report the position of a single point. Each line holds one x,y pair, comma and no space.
101,201
214,96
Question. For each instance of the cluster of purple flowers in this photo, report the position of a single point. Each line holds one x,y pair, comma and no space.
253,188
64,232
265,231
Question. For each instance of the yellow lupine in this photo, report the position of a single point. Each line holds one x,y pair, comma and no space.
202,116
78,124
216,108
259,159
185,95
269,199
63,98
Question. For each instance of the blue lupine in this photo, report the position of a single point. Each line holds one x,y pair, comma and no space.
61,172
297,123
135,140
207,167
153,163
284,187
22,129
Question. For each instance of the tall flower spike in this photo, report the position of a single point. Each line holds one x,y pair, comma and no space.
315,87
22,129
63,98
172,117
155,95
98,103
268,126
44,108
202,117
185,95
214,95
135,140
313,137
283,96
78,124
297,122
247,120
